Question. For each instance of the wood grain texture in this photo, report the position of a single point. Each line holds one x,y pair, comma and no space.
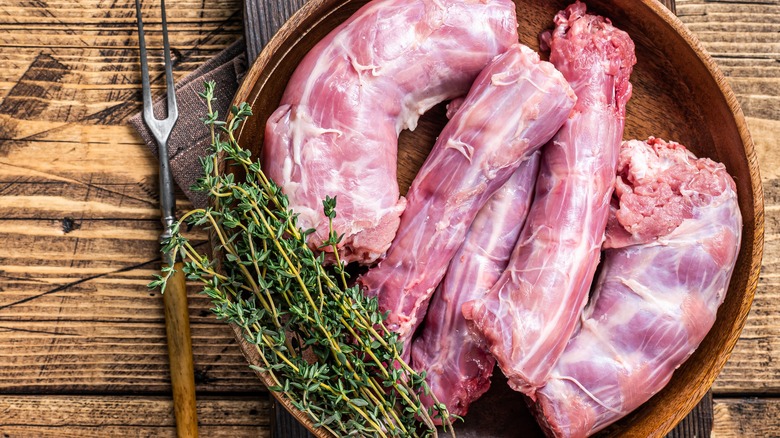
265,17
78,201
179,340
746,417
670,4
90,416
743,39
78,218
117,416
698,423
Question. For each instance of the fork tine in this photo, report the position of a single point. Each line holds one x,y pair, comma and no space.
161,128
173,113
145,87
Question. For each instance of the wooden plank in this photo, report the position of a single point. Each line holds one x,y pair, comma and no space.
94,61
79,216
753,367
746,417
91,416
114,16
79,416
766,135
55,356
92,281
742,36
734,29
741,10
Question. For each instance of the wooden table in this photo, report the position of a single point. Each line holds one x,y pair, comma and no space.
82,340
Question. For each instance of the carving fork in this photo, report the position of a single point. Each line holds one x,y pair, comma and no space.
177,322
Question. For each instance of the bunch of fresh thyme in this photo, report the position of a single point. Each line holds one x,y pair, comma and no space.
286,301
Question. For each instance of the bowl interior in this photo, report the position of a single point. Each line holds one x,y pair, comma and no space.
678,94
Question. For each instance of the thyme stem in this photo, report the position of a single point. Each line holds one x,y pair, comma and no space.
320,341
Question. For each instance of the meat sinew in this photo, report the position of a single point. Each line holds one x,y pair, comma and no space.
515,105
671,248
531,312
336,131
458,366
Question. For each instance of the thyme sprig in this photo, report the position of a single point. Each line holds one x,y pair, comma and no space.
321,342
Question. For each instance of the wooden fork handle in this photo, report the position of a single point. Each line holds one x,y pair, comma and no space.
177,326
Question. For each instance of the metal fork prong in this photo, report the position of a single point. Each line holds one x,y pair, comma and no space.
145,87
173,112
161,128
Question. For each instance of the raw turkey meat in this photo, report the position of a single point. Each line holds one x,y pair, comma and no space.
457,365
531,312
336,131
515,106
672,244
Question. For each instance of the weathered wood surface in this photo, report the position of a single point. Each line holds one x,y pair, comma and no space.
746,417
78,222
744,38
78,211
123,416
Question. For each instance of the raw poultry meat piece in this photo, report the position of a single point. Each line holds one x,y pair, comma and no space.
671,246
336,131
515,106
531,312
458,366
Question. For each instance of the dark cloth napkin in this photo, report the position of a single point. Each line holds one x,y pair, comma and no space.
190,139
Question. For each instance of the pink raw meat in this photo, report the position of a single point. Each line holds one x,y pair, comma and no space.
531,312
336,131
458,366
672,245
515,105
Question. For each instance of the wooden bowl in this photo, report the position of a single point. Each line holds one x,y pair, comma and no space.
679,94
